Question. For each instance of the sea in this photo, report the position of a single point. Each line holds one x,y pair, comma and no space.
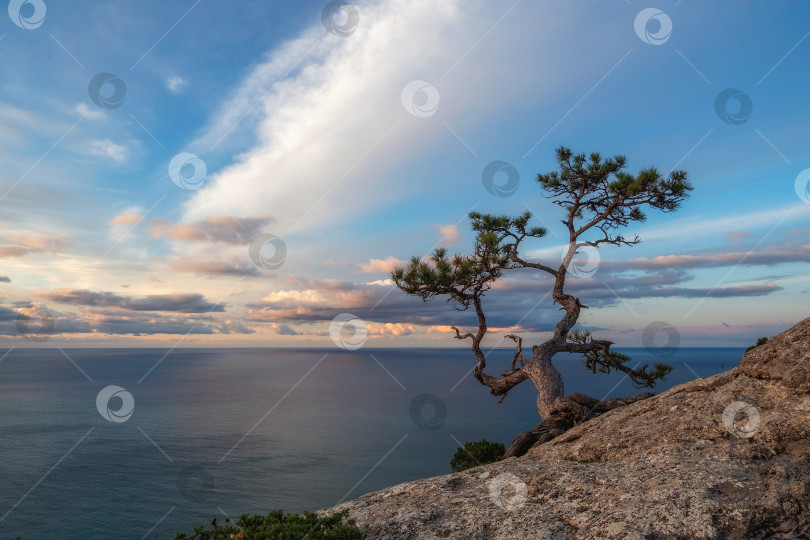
144,443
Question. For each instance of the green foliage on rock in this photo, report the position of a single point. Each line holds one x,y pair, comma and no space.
760,341
477,453
280,526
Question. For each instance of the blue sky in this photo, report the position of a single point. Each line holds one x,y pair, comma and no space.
312,137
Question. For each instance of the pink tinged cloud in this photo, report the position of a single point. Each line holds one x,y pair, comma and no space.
213,268
449,235
125,220
223,229
774,255
737,236
377,266
28,243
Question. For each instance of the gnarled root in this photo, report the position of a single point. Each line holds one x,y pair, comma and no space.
569,410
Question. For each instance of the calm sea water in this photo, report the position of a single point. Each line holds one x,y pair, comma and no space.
223,432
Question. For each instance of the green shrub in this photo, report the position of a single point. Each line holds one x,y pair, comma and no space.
760,341
279,526
476,453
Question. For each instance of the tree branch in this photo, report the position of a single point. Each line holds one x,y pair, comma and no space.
518,353
591,346
459,335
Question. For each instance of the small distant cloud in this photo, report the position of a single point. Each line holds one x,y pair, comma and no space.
175,84
449,234
181,302
737,236
390,329
385,266
225,229
5,279
107,148
726,325
87,112
125,220
25,244
285,330
208,267
767,256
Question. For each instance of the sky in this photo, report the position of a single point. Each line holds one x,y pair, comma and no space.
200,173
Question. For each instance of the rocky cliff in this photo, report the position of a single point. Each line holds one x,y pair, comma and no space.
722,457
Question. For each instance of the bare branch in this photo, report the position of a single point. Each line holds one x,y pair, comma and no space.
519,352
459,335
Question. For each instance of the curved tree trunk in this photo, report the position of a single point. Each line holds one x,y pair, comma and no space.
559,411
570,410
546,379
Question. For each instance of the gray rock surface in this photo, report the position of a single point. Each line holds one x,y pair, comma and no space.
722,457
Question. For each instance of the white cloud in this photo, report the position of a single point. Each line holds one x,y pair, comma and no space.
323,117
107,148
450,234
176,84
84,110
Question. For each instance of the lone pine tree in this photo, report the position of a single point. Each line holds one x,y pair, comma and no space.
598,198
